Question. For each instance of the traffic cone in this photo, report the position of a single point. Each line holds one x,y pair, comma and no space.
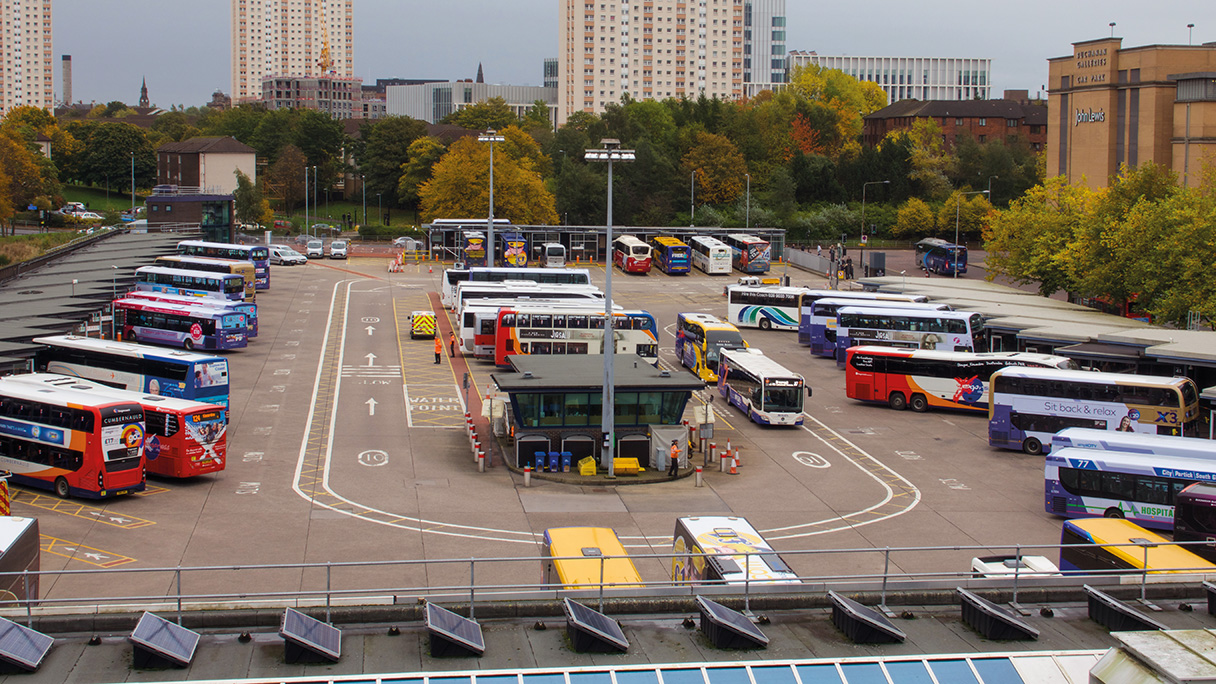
734,466
430,269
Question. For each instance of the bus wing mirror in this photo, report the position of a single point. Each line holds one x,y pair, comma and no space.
808,390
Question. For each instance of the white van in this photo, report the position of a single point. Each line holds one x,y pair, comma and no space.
337,249
315,249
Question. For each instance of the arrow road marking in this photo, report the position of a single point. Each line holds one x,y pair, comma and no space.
370,330
371,359
371,406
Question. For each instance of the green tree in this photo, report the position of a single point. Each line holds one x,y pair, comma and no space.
1028,242
720,169
423,154
105,155
931,164
968,214
915,219
285,180
251,207
493,113
459,186
387,150
1173,277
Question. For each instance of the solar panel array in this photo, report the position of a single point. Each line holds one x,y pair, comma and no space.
862,624
22,646
1117,616
728,628
308,634
158,642
591,630
993,621
455,630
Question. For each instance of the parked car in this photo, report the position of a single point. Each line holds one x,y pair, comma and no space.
89,216
315,249
286,256
337,249
405,242
72,208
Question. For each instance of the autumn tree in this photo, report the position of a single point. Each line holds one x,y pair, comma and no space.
914,219
931,164
966,213
459,184
493,113
422,156
285,180
832,103
251,206
720,169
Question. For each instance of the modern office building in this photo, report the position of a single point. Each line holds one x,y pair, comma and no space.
648,49
551,72
1114,105
921,78
289,38
764,62
431,102
25,55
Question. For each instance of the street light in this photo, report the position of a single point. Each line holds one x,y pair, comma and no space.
958,204
132,185
113,296
990,186
491,136
610,152
363,186
1190,33
861,261
692,194
380,207
1112,29
307,229
747,212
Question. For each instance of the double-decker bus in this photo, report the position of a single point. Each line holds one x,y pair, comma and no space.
1195,518
710,255
1141,486
587,557
763,306
631,254
71,442
1030,405
700,339
258,255
939,256
176,325
244,269
908,328
749,253
470,292
722,549
479,320
473,248
526,329
182,438
1127,308
671,256
136,367
190,283
1100,546
453,277
512,250
806,311
769,393
249,309
924,379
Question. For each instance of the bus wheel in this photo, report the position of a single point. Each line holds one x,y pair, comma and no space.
898,401
131,336
919,403
1113,513
765,324
61,488
188,344
1032,446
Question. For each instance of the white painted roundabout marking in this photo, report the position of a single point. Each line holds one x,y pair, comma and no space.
811,460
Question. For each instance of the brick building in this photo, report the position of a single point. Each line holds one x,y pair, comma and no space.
983,120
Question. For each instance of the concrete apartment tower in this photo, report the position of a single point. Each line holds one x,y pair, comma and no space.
288,38
650,49
25,55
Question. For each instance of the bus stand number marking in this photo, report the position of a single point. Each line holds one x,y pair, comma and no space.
253,456
811,460
248,487
954,484
370,319
909,455
373,458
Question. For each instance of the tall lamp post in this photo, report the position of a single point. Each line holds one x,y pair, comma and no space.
861,261
307,228
113,296
1190,34
957,205
747,212
692,199
990,186
363,186
491,136
380,207
132,185
610,152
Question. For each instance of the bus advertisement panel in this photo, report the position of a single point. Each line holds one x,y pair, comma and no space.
70,442
749,253
907,328
182,438
1089,483
769,393
820,322
763,306
188,327
925,379
473,248
939,256
479,320
725,550
1030,405
547,330
809,297
700,339
1113,546
710,255
453,277
670,255
248,308
136,367
258,255
190,283
587,557
513,250
245,269
631,255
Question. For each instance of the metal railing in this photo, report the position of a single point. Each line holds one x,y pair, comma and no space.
485,581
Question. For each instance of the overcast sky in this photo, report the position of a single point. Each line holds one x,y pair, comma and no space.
183,47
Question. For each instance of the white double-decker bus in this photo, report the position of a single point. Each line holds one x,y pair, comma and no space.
710,255
471,292
769,393
453,277
479,320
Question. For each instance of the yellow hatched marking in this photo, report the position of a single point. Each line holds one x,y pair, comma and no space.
76,509
85,554
435,401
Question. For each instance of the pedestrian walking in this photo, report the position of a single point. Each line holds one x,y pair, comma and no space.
674,468
438,348
848,268
452,344
818,250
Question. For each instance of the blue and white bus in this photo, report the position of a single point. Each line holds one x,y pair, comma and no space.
908,329
710,255
136,367
809,297
763,306
822,319
1142,487
248,308
671,255
939,256
190,283
258,255
749,253
1028,406
189,327
769,393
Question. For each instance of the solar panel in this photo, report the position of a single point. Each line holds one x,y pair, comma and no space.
161,643
728,628
1113,614
993,621
453,634
21,646
1210,590
861,624
307,639
591,630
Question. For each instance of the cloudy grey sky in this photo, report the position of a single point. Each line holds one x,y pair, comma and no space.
183,46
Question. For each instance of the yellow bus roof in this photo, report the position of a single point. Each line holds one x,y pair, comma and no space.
669,241
584,570
1121,531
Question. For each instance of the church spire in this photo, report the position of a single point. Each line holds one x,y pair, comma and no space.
143,93
480,78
